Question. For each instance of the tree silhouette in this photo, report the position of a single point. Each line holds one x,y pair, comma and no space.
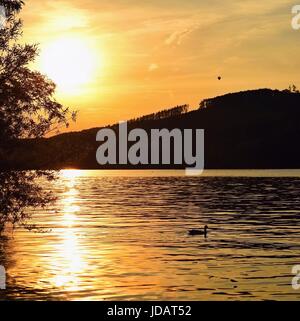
28,109
18,192
293,89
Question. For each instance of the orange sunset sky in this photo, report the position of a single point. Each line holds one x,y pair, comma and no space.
115,60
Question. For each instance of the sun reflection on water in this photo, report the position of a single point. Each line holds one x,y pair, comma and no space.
68,260
69,209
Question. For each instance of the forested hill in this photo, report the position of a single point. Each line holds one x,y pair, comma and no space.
251,129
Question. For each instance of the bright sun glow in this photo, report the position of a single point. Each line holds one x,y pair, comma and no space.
70,63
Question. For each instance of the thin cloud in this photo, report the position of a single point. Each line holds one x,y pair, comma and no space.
178,36
152,67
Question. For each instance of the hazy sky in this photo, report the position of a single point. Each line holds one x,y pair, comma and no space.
148,55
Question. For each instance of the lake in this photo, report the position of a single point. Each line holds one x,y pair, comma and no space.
122,235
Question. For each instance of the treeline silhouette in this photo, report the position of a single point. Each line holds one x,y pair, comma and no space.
266,97
255,129
166,113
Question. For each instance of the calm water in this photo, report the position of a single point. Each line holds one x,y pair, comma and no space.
123,236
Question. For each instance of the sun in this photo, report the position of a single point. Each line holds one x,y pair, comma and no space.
69,62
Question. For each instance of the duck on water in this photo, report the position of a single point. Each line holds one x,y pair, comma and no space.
199,232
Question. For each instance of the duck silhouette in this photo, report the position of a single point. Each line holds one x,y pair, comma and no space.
199,232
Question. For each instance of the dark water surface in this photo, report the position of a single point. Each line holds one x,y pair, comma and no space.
123,236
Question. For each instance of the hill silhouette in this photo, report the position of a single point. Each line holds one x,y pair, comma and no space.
255,129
